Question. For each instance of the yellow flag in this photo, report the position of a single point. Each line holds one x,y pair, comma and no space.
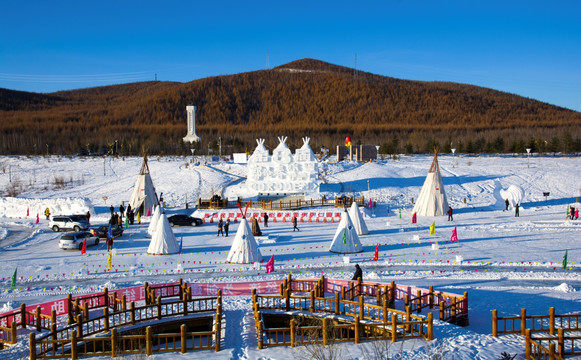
138,218
109,261
433,228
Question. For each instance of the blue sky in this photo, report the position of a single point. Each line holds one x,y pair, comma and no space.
529,48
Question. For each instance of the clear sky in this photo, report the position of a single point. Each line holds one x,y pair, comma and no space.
530,48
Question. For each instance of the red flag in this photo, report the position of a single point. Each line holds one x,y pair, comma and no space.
148,211
270,265
27,212
84,248
454,236
414,218
37,218
376,255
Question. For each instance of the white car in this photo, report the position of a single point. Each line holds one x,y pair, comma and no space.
75,240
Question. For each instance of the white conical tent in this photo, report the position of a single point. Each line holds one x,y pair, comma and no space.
163,241
154,220
244,248
432,199
346,240
357,219
144,196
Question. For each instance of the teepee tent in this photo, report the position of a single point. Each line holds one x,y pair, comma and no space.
357,219
346,240
144,197
163,241
432,199
244,248
154,220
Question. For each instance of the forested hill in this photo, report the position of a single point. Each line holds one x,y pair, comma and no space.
302,98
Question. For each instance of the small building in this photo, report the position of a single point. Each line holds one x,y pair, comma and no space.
360,152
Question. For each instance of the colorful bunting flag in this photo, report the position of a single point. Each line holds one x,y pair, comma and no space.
376,255
454,236
344,236
84,248
270,265
109,261
13,284
565,260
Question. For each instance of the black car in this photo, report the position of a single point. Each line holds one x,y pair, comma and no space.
101,231
184,220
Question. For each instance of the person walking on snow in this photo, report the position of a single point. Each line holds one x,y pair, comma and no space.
227,226
295,223
506,203
576,214
516,207
450,212
220,225
121,211
265,220
358,273
47,213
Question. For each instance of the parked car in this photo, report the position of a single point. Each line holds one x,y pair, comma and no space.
69,222
184,220
101,231
74,240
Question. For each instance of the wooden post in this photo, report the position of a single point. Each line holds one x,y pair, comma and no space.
189,291
14,333
181,287
408,316
73,345
32,345
184,298
385,313
351,291
287,299
343,292
337,304
53,316
312,305
80,325
106,295
431,297
146,290
419,301
113,342
406,300
322,288
552,320
359,286
218,329
551,351
106,318
158,308
259,334
148,341
392,295
281,290
430,326
523,320
183,338
325,332
132,312
53,334
123,303
361,308
37,318
528,344
219,301
23,315
393,327
70,308
293,333
356,329
114,301
495,323
561,333
86,310
465,308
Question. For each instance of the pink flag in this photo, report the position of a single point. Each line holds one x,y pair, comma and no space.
414,218
454,236
37,218
370,203
270,265
148,211
27,212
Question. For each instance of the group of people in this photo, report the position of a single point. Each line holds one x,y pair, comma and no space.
573,213
223,227
516,208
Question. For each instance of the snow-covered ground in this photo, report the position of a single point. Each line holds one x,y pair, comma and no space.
503,262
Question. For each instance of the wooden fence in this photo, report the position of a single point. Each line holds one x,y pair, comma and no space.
341,202
543,333
64,342
23,318
381,321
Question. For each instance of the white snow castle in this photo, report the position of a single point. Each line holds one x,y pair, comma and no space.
283,172
191,136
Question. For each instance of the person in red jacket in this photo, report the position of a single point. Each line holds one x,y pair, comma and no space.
450,212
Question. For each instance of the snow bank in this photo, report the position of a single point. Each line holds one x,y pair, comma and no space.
514,194
19,207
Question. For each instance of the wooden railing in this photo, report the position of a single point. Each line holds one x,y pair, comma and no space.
560,332
397,324
282,205
23,318
55,343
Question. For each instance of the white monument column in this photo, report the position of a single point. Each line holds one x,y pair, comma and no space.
191,136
